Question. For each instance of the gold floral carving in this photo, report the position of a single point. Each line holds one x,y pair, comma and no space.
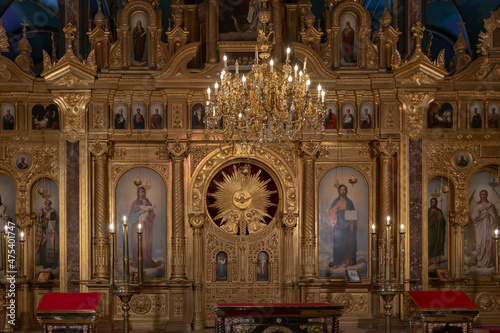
287,152
483,70
158,303
312,328
177,115
198,154
140,304
310,148
243,328
178,305
277,328
419,78
487,302
5,73
390,116
414,105
4,40
99,148
388,148
98,115
120,154
290,219
68,79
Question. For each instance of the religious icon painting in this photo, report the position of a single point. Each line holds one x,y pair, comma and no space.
476,115
45,118
139,40
343,223
120,112
141,199
157,117
348,116
446,115
8,117
46,195
348,40
331,116
138,116
493,114
437,226
238,20
7,207
198,116
22,162
484,206
366,116
221,266
462,159
262,266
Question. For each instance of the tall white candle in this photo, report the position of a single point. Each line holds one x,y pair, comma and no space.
287,53
225,61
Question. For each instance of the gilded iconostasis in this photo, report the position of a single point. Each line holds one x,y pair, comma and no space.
109,122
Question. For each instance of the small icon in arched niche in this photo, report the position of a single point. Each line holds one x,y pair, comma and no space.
139,27
262,266
221,266
8,117
157,116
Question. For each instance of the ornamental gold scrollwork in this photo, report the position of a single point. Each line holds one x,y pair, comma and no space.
414,105
310,148
346,300
277,328
486,36
177,149
459,217
290,219
197,220
487,302
140,304
99,148
314,328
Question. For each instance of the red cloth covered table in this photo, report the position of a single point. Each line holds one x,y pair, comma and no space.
285,317
60,311
444,310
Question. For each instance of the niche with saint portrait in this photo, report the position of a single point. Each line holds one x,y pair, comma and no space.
343,221
46,201
242,198
348,40
45,118
484,206
440,116
221,266
238,20
8,117
437,226
139,40
141,199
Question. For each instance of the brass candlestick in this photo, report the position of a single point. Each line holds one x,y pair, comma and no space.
389,287
495,276
124,288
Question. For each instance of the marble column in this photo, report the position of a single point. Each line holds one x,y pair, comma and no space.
415,243
213,9
99,151
177,153
197,221
308,220
72,215
276,19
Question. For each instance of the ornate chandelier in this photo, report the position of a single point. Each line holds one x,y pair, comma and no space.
267,105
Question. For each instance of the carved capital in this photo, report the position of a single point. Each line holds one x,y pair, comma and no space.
414,105
310,149
459,218
290,219
387,148
99,148
177,149
73,106
196,220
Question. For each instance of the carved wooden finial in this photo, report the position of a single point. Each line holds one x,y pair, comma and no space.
461,24
69,33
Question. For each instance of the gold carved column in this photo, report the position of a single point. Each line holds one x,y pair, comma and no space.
177,153
99,151
197,221
309,153
386,151
213,9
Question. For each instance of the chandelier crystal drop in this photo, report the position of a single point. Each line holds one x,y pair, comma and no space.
267,104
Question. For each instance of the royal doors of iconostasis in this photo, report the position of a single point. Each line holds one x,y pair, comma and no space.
249,211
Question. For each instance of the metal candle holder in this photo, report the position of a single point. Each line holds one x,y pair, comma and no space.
389,287
495,276
124,288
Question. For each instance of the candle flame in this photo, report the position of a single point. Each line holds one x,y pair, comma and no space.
22,235
402,227
111,227
5,227
139,226
124,220
388,220
496,233
373,228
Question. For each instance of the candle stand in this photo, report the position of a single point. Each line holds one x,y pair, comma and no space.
390,285
495,276
124,288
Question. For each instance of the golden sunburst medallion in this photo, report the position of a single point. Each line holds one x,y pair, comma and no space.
243,199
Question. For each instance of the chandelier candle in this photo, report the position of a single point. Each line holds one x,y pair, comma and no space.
388,251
